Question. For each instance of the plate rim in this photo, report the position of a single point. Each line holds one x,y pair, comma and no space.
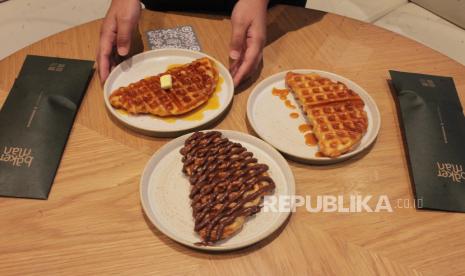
178,131
167,148
314,160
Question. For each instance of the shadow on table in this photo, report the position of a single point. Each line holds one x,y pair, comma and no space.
282,19
197,253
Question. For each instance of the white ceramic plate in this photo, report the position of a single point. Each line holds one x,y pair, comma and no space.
164,194
155,62
269,117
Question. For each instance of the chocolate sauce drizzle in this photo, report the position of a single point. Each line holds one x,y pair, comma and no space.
224,177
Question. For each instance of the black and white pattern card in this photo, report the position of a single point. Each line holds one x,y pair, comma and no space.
182,37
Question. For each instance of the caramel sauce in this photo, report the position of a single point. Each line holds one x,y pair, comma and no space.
310,139
294,115
319,154
305,128
282,93
198,113
289,104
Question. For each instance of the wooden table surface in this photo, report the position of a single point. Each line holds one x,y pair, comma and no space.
93,222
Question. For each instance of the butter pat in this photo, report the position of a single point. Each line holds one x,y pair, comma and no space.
166,82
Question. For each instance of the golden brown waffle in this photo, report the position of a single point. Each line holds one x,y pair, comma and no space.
336,112
193,84
227,184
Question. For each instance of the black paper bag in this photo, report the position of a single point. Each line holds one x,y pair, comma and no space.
35,123
433,126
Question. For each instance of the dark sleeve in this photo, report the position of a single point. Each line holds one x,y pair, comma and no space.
300,3
219,6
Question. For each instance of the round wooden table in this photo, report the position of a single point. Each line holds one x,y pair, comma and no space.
93,222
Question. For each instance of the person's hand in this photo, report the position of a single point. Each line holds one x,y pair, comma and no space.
248,21
117,28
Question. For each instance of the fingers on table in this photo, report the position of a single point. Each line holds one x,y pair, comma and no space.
107,40
249,62
246,46
125,28
238,39
116,32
